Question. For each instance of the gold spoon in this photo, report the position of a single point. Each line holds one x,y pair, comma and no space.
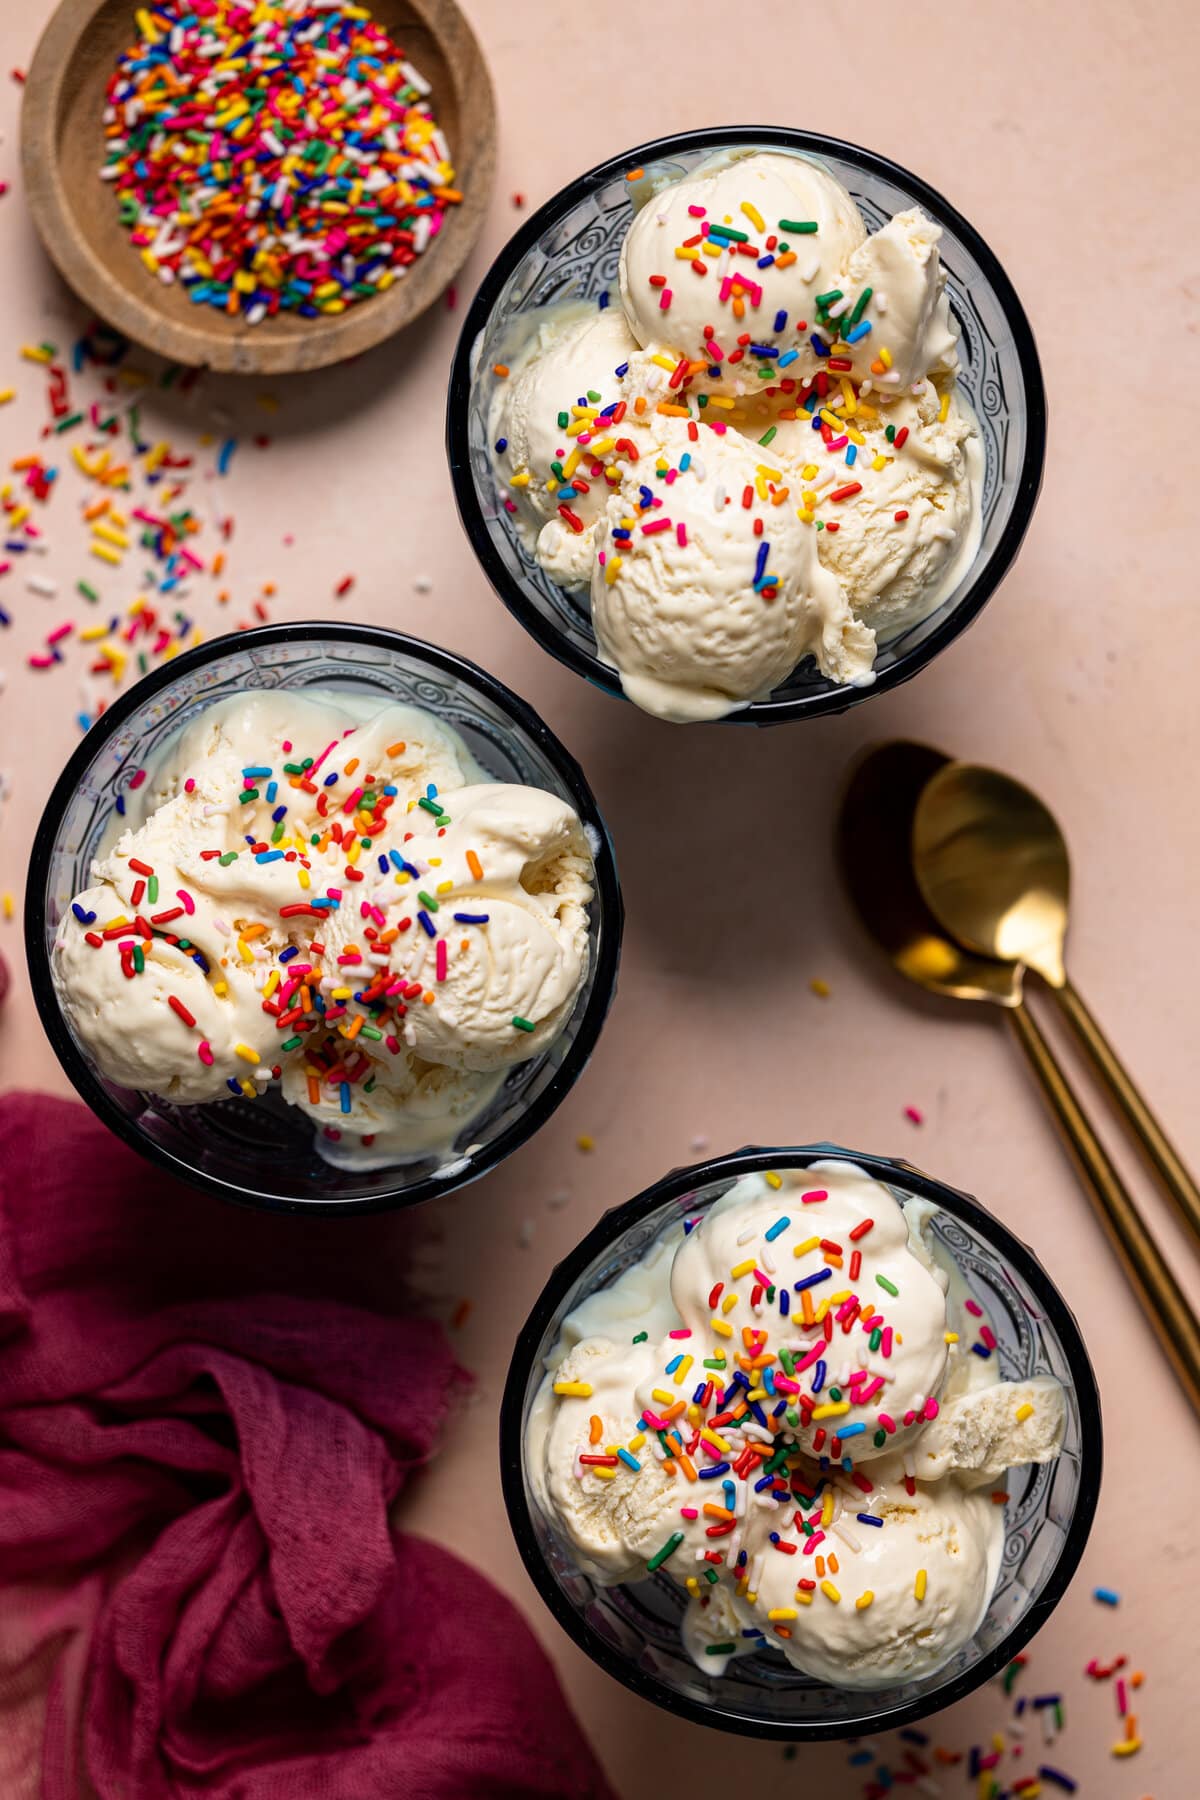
874,838
992,865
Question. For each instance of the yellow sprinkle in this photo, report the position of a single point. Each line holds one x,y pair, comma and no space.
611,570
693,1587
828,1589
576,1390
755,217
782,1612
221,987
710,249
681,1371
35,353
919,1585
106,555
6,395
246,1053
810,1243
723,401
827,1510
885,357
742,1268
716,1440
1024,1412
773,1180
443,887
664,362
879,462
636,1442
951,1337
9,906
863,1601
604,1474
771,474
1129,1747
342,993
305,880
664,1396
728,1303
271,984
944,408
721,1328
585,1143
805,1599
521,480
249,1091
809,472
805,515
820,988
831,1410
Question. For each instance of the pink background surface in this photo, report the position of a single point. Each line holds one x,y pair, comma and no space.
1062,134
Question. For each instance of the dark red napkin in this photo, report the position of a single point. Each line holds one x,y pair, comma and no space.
204,1416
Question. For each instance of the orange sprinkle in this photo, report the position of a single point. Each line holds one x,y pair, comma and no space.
500,369
635,174
396,749
352,765
687,1465
475,866
314,1091
595,1429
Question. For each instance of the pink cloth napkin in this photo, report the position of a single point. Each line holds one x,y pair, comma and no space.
202,1427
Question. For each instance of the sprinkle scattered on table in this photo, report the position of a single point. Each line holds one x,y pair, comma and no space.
585,1142
820,988
914,1115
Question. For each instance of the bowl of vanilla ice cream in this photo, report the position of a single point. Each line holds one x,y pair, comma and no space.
801,1443
746,424
322,916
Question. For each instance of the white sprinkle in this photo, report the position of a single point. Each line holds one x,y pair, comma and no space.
525,1236
42,584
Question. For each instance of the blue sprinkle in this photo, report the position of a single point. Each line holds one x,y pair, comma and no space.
501,445
225,455
121,804
254,774
780,320
84,917
784,1302
981,1350
698,1394
1108,1596
269,856
860,331
323,900
818,1378
766,1482
628,1458
866,1518
426,923
674,1363
764,262
773,1231
764,550
330,779
821,348
812,1280
471,918
621,370
602,301
396,860
789,356
272,791
851,456
384,864
431,791
234,1086
285,956
761,350
713,1471
911,1736
344,1096
685,462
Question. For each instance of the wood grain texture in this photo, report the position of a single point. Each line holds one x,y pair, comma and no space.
62,146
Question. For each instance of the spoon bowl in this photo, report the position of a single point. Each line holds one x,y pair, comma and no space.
991,863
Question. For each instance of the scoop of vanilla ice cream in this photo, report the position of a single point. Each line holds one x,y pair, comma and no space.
950,1538
906,539
565,368
908,310
520,929
699,612
822,1206
979,1434
760,196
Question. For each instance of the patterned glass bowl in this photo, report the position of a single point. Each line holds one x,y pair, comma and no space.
262,1152
632,1630
570,250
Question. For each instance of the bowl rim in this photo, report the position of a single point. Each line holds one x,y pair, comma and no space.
753,1159
129,304
831,699
607,900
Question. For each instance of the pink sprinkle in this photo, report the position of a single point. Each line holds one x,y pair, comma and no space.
887,1421
1122,1701
683,1332
137,778
653,1420
909,1417
885,1342
914,1115
440,959
287,744
988,1336
185,900
334,893
973,1306
62,632
393,1044
689,1512
785,1386
665,300
697,212
681,537
931,1408
810,1544
814,1355
656,525
189,786
816,1194
868,1393
204,1052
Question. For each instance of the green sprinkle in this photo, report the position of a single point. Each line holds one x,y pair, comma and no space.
768,434
66,424
668,1549
277,833
564,419
710,1575
247,794
152,888
788,1359
880,1439
293,768
712,1362
889,1287
890,434
185,943
875,1339
427,900
139,958
719,1649
371,1031
431,806
292,1043
802,227
593,396
1010,1676
835,1393
860,306
829,298
727,231
640,1338
88,591
524,1024
792,1416
227,858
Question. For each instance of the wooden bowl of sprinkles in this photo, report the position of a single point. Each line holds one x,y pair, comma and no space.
77,216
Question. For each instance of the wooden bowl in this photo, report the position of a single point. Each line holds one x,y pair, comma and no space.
62,145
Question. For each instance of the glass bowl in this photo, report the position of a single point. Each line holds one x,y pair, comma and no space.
632,1630
262,1152
570,250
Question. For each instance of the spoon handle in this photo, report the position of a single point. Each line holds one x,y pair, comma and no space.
1164,1303
1161,1154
